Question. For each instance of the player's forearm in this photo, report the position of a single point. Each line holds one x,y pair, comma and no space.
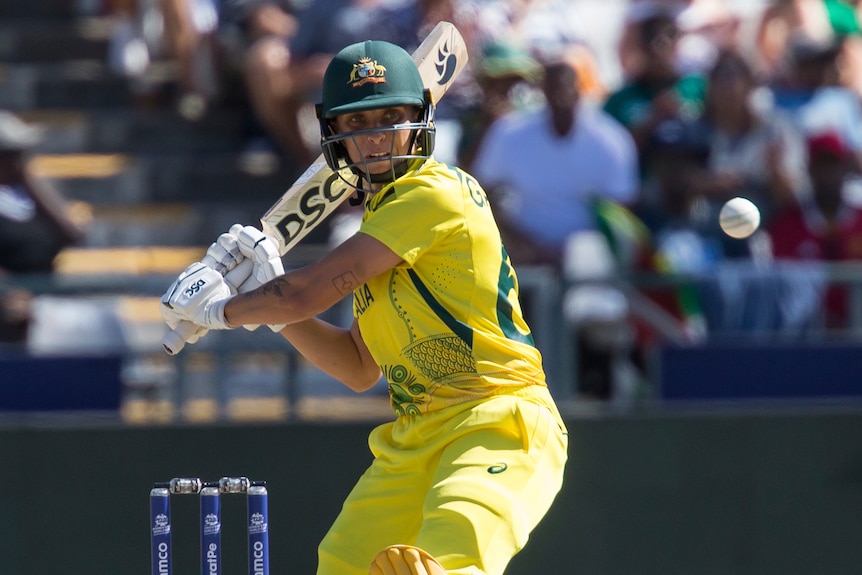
284,300
334,351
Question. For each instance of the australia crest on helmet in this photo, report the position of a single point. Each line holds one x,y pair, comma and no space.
367,71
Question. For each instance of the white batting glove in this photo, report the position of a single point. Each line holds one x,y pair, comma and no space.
223,256
198,295
257,247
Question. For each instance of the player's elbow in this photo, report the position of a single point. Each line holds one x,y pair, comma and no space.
363,380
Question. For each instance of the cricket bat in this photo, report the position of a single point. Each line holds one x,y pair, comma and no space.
319,191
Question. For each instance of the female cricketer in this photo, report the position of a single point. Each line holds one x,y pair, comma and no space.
475,455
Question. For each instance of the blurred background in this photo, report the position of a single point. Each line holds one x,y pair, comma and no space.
712,385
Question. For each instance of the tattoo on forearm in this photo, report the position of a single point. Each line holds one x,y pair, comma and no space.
272,287
345,283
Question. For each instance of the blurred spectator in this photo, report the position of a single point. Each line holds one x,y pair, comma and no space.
825,227
132,43
821,22
781,22
255,35
547,30
683,240
284,77
844,16
543,167
543,27
755,151
656,92
509,80
207,39
705,27
190,34
811,92
684,236
34,224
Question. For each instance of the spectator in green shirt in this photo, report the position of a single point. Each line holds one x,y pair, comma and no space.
657,92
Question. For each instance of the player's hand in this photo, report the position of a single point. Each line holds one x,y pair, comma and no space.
262,251
198,295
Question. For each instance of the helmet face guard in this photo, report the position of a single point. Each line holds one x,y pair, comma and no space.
420,146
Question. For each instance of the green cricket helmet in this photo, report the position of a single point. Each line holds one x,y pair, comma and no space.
372,75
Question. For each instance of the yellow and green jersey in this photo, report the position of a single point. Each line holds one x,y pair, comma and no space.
446,325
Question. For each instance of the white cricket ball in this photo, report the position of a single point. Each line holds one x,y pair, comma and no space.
739,218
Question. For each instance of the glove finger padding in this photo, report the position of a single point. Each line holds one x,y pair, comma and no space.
239,275
223,255
256,246
260,248
199,295
199,333
405,560
173,321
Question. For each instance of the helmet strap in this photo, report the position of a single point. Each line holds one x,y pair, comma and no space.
358,198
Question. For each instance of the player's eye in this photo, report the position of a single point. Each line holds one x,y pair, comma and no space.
395,116
356,122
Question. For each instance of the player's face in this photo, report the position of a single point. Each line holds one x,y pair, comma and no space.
376,146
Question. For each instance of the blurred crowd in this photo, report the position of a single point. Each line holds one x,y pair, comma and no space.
607,134
667,107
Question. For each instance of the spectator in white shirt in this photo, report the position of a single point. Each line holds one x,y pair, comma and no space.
542,168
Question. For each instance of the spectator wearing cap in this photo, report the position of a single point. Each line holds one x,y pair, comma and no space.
35,223
824,227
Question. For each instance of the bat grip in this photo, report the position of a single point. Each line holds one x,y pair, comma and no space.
175,340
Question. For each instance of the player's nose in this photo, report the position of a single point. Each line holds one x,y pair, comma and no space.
376,137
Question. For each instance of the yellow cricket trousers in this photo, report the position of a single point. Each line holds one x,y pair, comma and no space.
467,483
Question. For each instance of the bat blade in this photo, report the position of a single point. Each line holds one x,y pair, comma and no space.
318,191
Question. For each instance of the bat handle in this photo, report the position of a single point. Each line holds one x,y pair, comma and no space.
175,340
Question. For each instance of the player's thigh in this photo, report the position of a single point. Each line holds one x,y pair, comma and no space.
384,508
491,488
